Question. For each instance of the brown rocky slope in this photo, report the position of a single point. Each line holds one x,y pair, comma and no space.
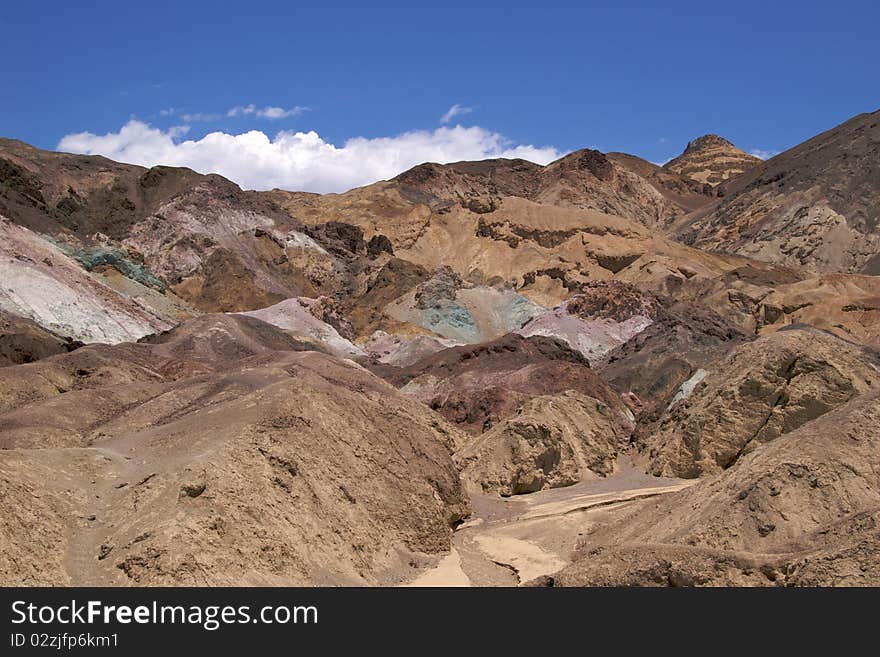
813,205
803,510
242,463
198,236
475,387
762,390
550,442
586,179
24,341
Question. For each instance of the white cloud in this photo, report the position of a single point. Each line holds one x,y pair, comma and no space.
762,154
300,160
279,113
242,109
200,117
455,110
269,112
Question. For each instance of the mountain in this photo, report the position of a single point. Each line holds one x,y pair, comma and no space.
760,391
541,248
683,192
222,452
596,371
711,160
195,237
476,387
814,205
82,294
612,183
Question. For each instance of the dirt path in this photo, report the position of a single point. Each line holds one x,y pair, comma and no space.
446,573
509,541
526,559
106,469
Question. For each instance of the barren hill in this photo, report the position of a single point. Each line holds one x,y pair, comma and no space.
712,160
802,511
246,462
813,205
199,237
587,179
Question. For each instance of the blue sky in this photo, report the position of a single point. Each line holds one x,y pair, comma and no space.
639,77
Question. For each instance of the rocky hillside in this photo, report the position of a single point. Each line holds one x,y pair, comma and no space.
803,511
476,387
813,205
759,392
220,453
615,184
551,442
197,238
22,340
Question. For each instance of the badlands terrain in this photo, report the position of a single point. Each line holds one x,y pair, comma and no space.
596,372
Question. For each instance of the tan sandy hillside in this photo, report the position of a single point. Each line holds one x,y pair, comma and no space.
552,441
248,462
587,179
761,391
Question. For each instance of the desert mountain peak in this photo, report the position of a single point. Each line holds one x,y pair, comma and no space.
708,141
711,159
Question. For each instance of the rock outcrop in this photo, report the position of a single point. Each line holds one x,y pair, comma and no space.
599,317
24,341
550,442
803,510
762,390
653,364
